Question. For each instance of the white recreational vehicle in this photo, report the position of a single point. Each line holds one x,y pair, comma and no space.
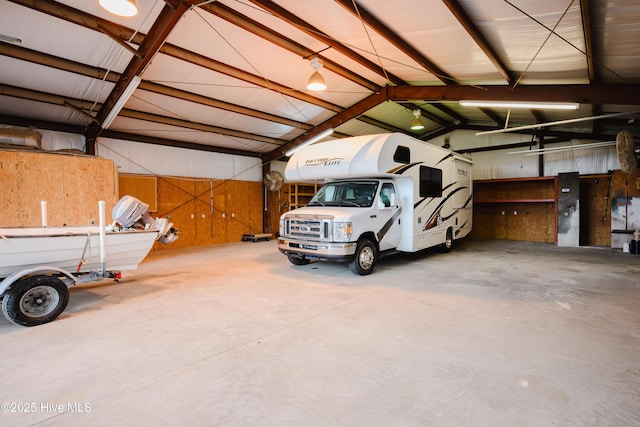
384,193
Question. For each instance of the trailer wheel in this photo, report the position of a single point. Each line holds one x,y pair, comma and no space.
35,300
365,259
448,241
296,260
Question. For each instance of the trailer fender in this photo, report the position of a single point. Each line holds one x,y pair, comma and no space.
12,278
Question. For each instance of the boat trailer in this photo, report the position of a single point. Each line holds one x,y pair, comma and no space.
38,294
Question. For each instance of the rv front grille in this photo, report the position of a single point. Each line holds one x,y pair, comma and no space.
308,229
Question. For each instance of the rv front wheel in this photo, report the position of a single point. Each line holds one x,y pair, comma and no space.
448,241
365,258
35,300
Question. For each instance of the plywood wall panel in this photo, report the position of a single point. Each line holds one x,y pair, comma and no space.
237,207
72,186
533,222
256,206
482,222
539,222
220,211
203,215
175,202
595,210
142,187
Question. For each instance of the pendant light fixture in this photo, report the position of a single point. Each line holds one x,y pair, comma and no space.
125,8
316,81
417,124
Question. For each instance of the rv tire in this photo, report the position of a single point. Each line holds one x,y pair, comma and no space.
365,258
448,241
35,300
296,260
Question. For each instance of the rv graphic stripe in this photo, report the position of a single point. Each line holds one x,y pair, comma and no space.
445,158
402,169
433,218
461,227
456,211
387,225
431,198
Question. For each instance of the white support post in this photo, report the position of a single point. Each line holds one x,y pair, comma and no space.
103,252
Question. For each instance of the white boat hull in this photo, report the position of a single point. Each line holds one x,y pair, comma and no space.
63,247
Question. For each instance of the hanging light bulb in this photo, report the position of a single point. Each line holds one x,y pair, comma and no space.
316,81
417,124
120,7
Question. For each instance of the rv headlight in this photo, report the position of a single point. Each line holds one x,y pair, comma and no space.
342,231
281,226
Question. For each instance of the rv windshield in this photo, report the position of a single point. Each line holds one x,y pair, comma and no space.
358,194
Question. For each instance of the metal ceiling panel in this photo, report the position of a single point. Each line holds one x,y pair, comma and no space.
232,74
528,47
21,74
189,111
164,131
616,32
434,31
148,11
35,110
341,25
61,38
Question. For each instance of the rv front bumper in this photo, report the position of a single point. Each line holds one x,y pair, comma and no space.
323,251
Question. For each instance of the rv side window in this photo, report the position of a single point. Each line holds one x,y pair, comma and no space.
402,155
430,182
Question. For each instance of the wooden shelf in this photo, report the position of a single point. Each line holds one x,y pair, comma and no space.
516,209
300,194
512,180
516,201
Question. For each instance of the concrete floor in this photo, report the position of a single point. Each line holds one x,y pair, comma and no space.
491,334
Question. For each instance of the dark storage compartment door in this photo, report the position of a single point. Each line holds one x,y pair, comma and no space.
569,209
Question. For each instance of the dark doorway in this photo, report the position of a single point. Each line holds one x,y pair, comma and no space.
595,211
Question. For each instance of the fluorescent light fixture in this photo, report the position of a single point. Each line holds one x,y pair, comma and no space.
133,85
125,8
9,39
560,122
523,104
417,124
551,150
310,141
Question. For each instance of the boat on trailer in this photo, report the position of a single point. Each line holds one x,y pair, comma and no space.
39,264
76,249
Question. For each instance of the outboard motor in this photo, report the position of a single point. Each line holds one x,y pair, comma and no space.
130,212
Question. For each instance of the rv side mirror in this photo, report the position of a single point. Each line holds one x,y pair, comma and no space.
392,199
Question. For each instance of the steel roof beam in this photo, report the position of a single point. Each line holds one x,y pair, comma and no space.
316,33
40,58
222,11
588,39
352,112
615,94
588,94
463,18
79,104
174,143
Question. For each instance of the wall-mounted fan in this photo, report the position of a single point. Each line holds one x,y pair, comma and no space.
273,180
628,153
